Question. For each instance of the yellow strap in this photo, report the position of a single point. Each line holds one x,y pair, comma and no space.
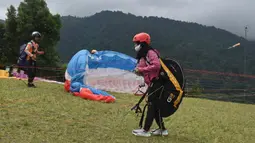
175,82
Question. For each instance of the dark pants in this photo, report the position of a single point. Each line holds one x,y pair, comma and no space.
31,70
153,106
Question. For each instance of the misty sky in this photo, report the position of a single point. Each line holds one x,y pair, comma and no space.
232,15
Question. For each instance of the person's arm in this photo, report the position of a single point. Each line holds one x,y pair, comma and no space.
39,52
154,63
28,47
139,65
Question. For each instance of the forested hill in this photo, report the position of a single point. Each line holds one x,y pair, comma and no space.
195,46
1,21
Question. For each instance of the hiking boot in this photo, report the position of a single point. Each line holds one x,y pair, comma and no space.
141,132
157,132
31,85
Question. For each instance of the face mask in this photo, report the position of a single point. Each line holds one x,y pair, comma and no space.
137,48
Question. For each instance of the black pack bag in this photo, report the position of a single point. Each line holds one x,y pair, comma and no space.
173,81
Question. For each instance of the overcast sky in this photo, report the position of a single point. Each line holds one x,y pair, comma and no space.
232,15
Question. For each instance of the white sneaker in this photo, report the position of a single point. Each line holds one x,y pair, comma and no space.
157,132
141,132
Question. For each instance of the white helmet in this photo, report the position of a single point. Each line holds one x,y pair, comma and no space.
36,34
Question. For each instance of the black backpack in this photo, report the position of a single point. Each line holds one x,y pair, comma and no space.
23,55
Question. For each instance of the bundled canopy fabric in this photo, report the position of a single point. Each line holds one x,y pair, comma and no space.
87,75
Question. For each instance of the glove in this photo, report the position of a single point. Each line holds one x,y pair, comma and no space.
137,72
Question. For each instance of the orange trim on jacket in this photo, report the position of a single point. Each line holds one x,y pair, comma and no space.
29,50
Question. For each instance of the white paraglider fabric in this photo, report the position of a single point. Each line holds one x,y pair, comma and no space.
114,80
104,70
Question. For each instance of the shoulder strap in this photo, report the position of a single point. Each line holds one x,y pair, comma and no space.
31,44
147,61
146,58
22,49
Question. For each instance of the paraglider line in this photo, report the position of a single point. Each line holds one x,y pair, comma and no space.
23,81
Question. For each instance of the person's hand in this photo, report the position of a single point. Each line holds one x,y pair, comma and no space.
33,57
137,72
40,52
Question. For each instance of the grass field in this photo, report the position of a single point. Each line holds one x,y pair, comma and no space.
49,114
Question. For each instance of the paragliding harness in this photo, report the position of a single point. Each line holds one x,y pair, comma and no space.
172,90
23,55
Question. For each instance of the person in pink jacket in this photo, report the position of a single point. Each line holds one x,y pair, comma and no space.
149,66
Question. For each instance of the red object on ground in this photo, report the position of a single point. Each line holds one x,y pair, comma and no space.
67,85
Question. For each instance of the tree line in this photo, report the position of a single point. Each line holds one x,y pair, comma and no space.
31,15
194,45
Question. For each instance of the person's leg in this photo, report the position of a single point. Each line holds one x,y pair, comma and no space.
31,73
159,120
150,112
34,70
162,129
153,100
150,116
148,122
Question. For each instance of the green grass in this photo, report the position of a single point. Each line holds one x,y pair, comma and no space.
49,114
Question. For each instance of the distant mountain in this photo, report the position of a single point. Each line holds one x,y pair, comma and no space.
195,46
1,21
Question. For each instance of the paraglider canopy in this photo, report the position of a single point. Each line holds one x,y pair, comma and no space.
238,44
103,70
